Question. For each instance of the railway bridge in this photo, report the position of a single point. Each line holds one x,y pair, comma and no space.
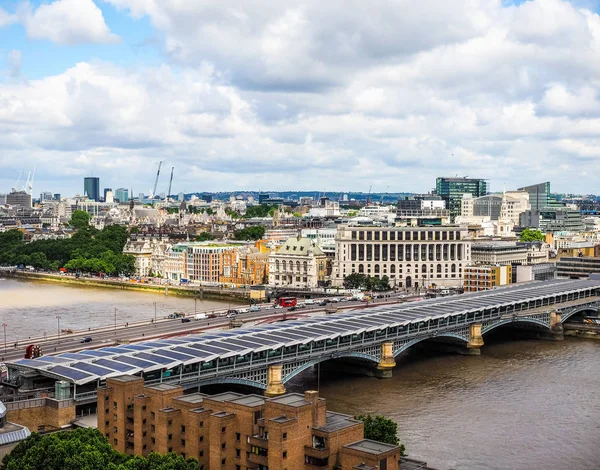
269,356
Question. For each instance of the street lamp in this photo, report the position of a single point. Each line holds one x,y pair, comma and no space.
4,325
155,314
58,317
115,322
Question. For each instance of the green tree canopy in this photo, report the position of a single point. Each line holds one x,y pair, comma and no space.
532,235
362,281
382,429
84,449
80,219
204,237
250,233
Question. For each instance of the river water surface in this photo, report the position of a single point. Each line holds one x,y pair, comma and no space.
521,405
30,308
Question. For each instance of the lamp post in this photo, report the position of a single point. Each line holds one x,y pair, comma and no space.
115,322
155,314
4,325
58,317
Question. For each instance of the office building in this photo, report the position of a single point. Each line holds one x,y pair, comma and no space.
552,219
91,188
299,262
577,267
486,277
122,195
46,196
208,198
232,431
451,190
498,253
108,197
19,199
534,272
106,190
408,256
199,262
539,195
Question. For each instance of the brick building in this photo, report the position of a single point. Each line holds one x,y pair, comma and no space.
234,431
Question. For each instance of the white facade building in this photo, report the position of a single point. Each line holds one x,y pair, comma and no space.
298,263
406,255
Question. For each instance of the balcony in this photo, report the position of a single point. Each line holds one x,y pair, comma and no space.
317,452
258,459
258,441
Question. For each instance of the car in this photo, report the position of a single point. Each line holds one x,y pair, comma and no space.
231,315
323,303
243,310
278,306
269,307
334,300
309,301
255,308
301,305
185,320
292,309
86,339
212,315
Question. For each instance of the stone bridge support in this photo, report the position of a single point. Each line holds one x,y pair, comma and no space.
275,385
387,363
475,339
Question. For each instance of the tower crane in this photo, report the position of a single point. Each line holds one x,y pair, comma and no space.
170,183
17,182
369,195
30,181
156,180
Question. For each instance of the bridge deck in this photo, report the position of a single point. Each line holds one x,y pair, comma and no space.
258,346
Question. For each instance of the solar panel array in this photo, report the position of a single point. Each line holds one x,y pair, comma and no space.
94,364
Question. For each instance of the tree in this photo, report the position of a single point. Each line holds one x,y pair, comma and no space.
84,449
355,281
80,219
382,429
532,235
204,237
250,233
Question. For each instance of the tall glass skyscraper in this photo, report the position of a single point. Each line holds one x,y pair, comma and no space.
452,189
91,187
539,195
122,195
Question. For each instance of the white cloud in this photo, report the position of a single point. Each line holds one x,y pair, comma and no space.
67,22
327,95
6,18
14,60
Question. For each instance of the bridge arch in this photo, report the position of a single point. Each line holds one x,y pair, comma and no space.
356,355
584,308
455,338
235,381
539,324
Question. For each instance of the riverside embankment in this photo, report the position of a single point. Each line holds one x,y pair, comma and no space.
215,293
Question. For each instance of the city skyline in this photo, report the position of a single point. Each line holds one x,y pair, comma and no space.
299,96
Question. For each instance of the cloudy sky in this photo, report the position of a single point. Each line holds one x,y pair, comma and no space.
300,95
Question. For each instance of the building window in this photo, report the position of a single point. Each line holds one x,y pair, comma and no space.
170,436
201,424
238,453
223,462
201,438
115,429
115,442
152,428
284,454
106,423
223,429
115,405
182,429
114,417
284,436
223,446
183,442
152,415
237,436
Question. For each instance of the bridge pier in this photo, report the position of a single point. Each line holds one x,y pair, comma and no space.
387,363
275,385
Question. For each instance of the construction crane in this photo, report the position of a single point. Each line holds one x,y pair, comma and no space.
383,196
30,181
170,183
14,189
369,195
156,180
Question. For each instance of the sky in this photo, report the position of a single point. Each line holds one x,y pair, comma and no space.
335,95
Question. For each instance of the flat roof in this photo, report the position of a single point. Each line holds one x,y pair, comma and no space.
122,361
337,421
290,399
371,447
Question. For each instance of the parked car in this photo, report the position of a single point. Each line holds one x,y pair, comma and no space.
292,309
269,307
310,302
323,303
243,310
232,314
278,306
212,315
334,300
185,320
255,308
86,339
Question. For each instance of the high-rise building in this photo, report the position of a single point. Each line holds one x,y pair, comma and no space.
539,195
56,196
122,195
46,196
106,190
451,190
19,199
91,187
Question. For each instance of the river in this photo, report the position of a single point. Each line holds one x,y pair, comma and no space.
29,309
521,405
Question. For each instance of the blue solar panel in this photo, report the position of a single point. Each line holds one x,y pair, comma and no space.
154,358
77,357
192,352
32,363
115,365
69,373
211,350
53,359
134,361
96,353
116,350
174,355
137,347
92,368
157,344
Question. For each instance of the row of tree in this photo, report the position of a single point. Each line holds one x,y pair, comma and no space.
84,449
364,282
88,250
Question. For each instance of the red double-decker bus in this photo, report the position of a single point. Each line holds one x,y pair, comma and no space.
287,301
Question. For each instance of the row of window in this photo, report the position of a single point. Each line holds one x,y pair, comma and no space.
384,252
422,235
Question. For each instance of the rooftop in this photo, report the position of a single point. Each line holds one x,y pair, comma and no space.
371,447
290,399
337,421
